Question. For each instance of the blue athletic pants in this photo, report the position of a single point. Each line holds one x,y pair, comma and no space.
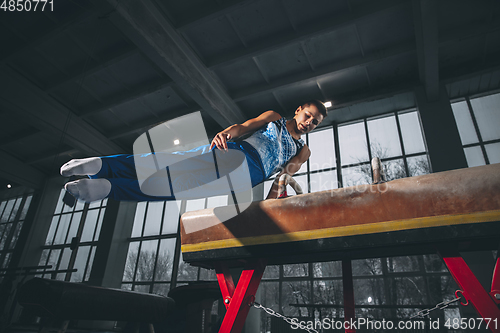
120,170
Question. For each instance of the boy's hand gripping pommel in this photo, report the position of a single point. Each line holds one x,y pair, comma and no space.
220,140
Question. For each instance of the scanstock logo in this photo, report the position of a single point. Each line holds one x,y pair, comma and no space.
173,160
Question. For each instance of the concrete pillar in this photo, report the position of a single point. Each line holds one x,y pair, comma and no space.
252,324
37,224
112,247
440,131
446,153
482,263
111,254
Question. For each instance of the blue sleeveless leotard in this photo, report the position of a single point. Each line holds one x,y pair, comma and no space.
267,150
274,145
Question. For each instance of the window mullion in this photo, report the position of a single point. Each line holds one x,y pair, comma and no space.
158,248
337,154
476,127
400,134
79,232
177,251
368,144
308,168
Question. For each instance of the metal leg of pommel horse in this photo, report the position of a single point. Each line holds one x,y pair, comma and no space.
486,304
239,299
348,286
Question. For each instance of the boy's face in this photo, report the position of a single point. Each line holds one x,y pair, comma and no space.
307,118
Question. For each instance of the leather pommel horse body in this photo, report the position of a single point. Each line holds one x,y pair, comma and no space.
444,212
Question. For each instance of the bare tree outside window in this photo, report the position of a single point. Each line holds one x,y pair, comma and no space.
149,266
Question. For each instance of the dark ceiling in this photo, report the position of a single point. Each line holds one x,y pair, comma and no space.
90,76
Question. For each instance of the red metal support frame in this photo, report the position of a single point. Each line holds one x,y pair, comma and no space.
226,283
238,299
495,281
348,286
473,291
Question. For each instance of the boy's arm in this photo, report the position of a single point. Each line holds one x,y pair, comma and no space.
291,168
237,130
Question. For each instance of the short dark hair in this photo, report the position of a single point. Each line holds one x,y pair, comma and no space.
318,104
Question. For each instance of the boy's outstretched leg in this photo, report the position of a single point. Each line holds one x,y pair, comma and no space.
82,167
89,190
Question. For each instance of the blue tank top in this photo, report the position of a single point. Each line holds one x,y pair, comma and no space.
274,145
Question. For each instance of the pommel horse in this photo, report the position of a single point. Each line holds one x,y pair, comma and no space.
442,213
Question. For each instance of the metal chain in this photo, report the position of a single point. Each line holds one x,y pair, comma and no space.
287,319
421,314
439,306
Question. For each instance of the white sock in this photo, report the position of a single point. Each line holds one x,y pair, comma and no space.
89,190
85,166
